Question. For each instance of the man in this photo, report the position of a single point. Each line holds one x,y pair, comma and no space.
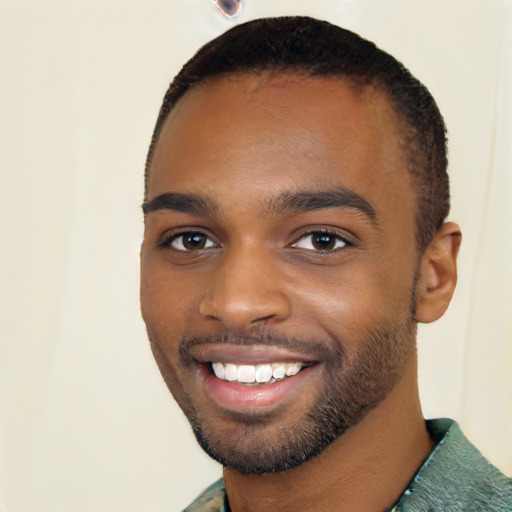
295,234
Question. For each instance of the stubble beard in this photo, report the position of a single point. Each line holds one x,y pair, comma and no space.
352,388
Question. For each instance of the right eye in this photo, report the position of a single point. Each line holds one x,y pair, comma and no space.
189,241
321,241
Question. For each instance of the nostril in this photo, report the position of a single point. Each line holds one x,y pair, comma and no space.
207,310
260,322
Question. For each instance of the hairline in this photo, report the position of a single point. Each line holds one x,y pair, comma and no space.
357,84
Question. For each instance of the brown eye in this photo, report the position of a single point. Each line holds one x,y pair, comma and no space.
320,241
323,242
192,241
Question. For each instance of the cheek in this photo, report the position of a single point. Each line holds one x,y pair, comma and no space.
348,301
163,311
166,302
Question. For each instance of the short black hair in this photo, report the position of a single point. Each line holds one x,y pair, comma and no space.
320,49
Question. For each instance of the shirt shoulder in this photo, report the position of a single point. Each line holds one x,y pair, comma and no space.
456,477
210,500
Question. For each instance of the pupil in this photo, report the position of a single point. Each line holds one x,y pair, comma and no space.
323,242
194,241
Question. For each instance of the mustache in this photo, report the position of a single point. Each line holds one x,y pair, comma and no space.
317,349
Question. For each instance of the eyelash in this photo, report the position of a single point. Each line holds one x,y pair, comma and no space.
327,233
167,242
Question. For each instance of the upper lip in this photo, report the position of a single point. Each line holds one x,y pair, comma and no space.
243,354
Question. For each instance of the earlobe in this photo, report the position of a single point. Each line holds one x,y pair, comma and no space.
438,273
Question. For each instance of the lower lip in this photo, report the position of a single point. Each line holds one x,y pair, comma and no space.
236,396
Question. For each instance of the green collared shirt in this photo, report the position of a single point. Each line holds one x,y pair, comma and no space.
454,478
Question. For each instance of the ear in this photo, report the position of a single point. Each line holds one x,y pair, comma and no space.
438,273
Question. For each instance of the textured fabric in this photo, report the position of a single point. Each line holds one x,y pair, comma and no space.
454,478
211,500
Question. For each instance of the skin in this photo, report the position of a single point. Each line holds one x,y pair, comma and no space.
239,144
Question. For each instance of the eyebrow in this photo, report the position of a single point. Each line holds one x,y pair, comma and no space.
298,202
305,201
185,203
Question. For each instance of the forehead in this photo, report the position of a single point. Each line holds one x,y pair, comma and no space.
269,131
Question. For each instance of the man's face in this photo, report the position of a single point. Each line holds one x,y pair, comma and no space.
279,263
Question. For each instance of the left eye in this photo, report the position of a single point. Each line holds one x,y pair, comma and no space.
192,241
319,241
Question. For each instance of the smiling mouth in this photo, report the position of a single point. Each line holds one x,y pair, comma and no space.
254,375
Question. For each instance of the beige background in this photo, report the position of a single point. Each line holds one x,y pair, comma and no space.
86,422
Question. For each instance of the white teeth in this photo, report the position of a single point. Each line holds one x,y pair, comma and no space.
218,369
231,372
261,373
246,374
278,371
292,369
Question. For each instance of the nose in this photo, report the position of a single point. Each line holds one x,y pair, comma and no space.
245,291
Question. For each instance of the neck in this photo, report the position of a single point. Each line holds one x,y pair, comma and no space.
364,470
